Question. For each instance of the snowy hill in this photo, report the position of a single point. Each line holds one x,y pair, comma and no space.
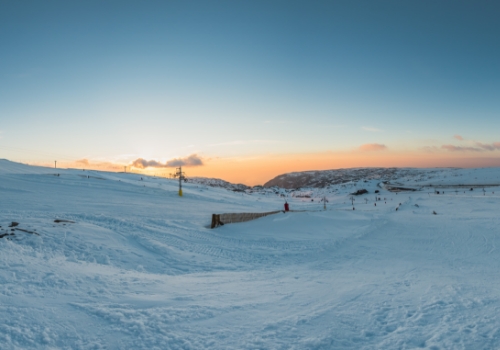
324,178
218,183
8,167
131,265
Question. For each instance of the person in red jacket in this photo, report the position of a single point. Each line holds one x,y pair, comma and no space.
287,208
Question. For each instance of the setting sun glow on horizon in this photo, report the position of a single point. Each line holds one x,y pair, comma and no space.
246,91
260,169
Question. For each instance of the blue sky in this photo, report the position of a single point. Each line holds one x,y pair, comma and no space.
118,80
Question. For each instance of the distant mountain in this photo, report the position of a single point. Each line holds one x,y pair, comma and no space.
218,183
324,178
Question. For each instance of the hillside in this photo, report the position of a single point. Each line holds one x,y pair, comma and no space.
96,260
217,183
325,178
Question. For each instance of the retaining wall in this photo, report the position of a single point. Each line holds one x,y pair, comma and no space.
230,218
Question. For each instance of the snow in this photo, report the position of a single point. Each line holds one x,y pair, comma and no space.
137,268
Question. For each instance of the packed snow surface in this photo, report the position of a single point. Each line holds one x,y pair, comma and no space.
131,265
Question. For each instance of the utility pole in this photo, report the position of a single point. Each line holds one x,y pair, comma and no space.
55,164
181,175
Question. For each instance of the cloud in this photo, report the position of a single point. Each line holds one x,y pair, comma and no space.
479,147
489,147
95,164
83,161
143,163
192,160
370,147
453,148
368,128
458,137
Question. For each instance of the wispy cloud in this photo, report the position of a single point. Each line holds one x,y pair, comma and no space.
453,148
190,161
371,147
478,147
489,147
371,129
458,137
97,164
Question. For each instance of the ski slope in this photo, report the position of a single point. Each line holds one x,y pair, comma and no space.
135,266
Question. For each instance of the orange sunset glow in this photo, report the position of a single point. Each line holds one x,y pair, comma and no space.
259,169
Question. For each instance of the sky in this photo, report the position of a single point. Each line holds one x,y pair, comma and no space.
248,90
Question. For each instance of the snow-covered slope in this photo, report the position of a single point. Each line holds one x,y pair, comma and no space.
207,181
8,167
134,266
325,178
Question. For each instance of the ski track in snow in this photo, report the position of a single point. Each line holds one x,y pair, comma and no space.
138,269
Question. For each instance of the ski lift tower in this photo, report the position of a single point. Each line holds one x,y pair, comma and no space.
181,175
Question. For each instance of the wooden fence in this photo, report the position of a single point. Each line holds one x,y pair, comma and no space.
230,218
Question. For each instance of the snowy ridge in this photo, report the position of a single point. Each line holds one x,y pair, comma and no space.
8,167
325,178
218,183
134,266
329,177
